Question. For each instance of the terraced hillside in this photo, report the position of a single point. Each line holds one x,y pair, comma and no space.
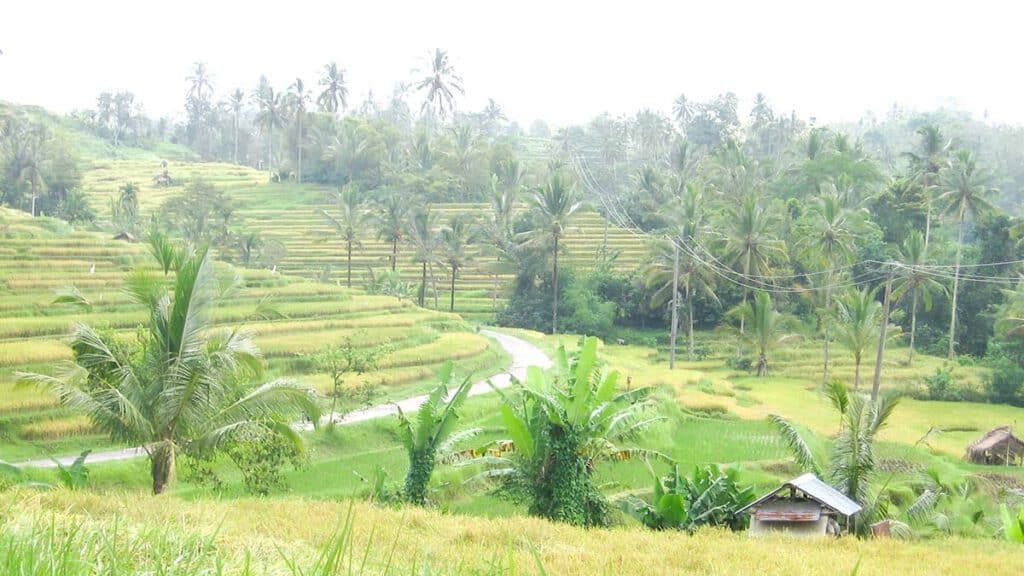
290,214
41,256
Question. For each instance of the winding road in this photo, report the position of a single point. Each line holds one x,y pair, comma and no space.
523,355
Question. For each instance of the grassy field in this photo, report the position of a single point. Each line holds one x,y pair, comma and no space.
65,533
41,256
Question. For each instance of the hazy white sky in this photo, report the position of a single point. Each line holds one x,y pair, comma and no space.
561,61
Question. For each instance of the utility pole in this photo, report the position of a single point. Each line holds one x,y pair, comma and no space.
674,332
881,337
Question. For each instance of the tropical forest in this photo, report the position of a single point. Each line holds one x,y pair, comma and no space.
281,323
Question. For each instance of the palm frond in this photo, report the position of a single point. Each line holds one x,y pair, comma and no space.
798,447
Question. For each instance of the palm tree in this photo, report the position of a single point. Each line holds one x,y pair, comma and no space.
852,465
200,84
422,235
456,237
298,99
441,84
964,189
270,116
750,243
915,281
560,426
925,165
236,102
128,204
497,233
186,387
434,433
766,325
857,313
668,271
334,96
682,109
828,239
350,223
555,206
391,217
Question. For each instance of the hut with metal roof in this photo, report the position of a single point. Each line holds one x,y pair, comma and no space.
804,506
998,447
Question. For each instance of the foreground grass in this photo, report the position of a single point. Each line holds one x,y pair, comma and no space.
130,534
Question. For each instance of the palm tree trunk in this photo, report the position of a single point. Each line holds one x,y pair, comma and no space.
554,299
348,264
856,373
433,284
33,198
828,298
236,138
674,329
298,146
270,150
423,286
394,253
691,352
913,327
762,364
162,466
956,286
451,307
877,381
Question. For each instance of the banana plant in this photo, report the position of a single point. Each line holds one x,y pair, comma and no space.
1013,526
560,425
434,432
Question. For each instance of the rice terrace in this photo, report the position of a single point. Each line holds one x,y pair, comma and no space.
530,302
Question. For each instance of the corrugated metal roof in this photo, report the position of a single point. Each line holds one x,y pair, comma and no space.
788,511
812,486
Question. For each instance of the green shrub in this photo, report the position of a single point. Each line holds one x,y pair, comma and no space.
743,363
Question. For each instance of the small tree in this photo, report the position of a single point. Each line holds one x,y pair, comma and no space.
434,432
858,314
852,465
338,361
766,325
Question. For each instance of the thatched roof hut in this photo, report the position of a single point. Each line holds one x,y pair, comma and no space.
999,447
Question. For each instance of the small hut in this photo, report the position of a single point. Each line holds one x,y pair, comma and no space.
804,506
999,447
125,237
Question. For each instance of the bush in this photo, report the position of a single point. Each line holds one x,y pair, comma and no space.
743,363
1005,383
942,385
261,456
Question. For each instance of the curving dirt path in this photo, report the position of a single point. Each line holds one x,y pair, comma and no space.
523,355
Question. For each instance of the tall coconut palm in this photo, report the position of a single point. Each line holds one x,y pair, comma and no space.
391,217
672,275
441,84
270,116
915,281
827,239
926,163
750,244
857,313
424,238
456,238
186,387
766,327
298,98
555,205
496,232
963,192
236,103
334,97
350,223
